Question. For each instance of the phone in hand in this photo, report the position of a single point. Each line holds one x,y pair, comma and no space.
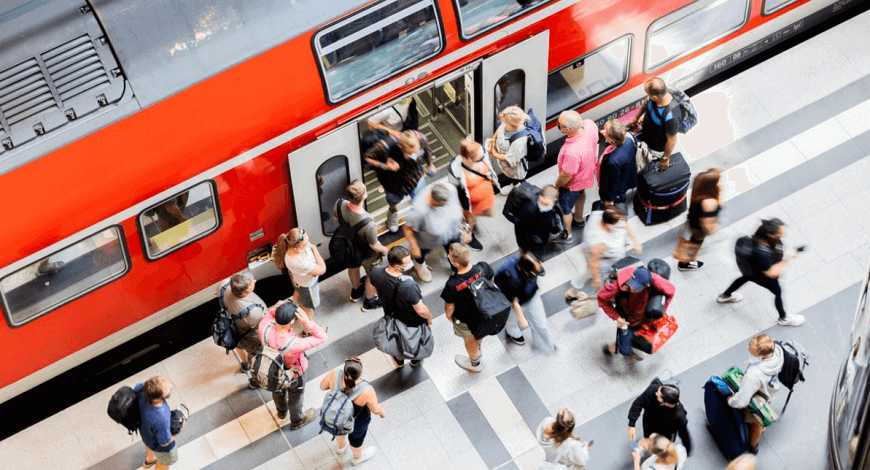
800,248
634,446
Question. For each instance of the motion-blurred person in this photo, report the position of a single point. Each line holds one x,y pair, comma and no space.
302,259
353,212
604,243
701,221
391,119
759,376
517,279
435,221
160,445
665,455
473,175
625,300
661,119
617,172
555,435
744,462
366,403
576,165
533,231
766,263
662,414
279,326
399,294
510,156
459,306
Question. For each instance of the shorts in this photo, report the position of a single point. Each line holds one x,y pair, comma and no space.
167,458
567,198
461,329
309,297
369,263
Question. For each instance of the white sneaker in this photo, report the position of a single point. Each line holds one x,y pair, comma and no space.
735,297
423,272
465,362
792,320
392,221
366,454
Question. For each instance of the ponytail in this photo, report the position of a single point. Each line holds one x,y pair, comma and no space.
281,247
352,373
562,427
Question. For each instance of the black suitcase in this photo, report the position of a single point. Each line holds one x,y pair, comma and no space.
655,306
725,424
661,195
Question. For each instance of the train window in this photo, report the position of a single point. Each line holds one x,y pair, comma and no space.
479,16
375,44
589,77
771,6
510,90
179,220
65,275
688,29
333,176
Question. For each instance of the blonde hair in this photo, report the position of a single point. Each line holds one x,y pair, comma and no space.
662,448
615,129
514,115
762,344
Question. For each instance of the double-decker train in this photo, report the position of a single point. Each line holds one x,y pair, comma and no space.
149,150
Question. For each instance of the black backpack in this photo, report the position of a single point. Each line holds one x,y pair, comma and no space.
795,360
492,306
346,247
535,145
223,328
124,409
521,202
412,120
743,250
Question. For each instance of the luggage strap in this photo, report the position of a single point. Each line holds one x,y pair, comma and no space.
658,208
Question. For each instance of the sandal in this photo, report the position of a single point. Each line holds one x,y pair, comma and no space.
147,464
606,350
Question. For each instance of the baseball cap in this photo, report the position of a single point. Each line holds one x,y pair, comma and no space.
640,280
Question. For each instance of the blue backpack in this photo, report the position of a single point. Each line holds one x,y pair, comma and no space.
536,147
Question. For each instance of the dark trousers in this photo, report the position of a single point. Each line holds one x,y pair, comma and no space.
360,427
290,399
771,284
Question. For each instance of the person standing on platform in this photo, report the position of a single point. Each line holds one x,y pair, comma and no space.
435,221
617,168
576,169
662,414
701,221
473,175
283,324
533,231
517,279
238,299
353,211
661,117
459,306
399,294
302,259
510,156
160,445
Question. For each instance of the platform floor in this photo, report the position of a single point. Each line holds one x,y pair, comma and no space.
793,136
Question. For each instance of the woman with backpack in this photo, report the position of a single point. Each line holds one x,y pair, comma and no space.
365,403
554,434
295,254
510,156
701,221
475,179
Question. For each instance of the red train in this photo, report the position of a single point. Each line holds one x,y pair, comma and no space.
150,149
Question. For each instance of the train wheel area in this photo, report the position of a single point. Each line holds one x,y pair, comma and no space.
793,140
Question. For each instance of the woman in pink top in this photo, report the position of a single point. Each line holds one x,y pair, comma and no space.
576,168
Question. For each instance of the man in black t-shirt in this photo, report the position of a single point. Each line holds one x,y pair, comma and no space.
459,305
767,264
661,119
400,295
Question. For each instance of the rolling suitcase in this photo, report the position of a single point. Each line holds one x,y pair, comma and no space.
661,195
725,423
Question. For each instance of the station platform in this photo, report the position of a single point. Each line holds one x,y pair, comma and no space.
792,136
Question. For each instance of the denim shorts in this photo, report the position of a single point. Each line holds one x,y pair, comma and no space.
567,198
309,297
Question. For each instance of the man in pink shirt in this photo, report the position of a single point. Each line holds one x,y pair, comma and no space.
576,166
284,323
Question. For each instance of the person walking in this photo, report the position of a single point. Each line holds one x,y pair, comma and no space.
472,174
665,455
435,221
533,231
295,253
701,221
663,414
155,423
517,279
459,306
555,435
576,165
765,265
350,378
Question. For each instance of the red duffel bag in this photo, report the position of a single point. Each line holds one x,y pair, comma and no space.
655,333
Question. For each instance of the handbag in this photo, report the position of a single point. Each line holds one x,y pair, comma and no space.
399,340
686,250
582,308
653,335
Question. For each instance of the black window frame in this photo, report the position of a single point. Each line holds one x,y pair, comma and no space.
627,68
363,11
494,26
7,313
708,40
142,237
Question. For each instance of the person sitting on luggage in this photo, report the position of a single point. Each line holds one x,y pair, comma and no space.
533,232
617,172
665,455
663,414
625,300
760,376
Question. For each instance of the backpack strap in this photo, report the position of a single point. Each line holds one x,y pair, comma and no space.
284,348
357,390
475,172
520,133
359,225
246,311
221,297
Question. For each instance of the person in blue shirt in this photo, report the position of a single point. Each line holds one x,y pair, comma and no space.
154,428
517,279
618,172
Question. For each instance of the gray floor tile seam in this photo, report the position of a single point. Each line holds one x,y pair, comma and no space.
479,431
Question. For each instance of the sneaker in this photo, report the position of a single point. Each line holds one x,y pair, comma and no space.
307,418
791,320
724,299
282,415
542,272
253,384
416,362
752,450
474,244
579,223
465,362
423,272
245,367
398,362
690,266
520,340
341,450
366,454
564,237
358,293
371,304
392,221
636,355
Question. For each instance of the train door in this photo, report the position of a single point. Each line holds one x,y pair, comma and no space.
325,165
